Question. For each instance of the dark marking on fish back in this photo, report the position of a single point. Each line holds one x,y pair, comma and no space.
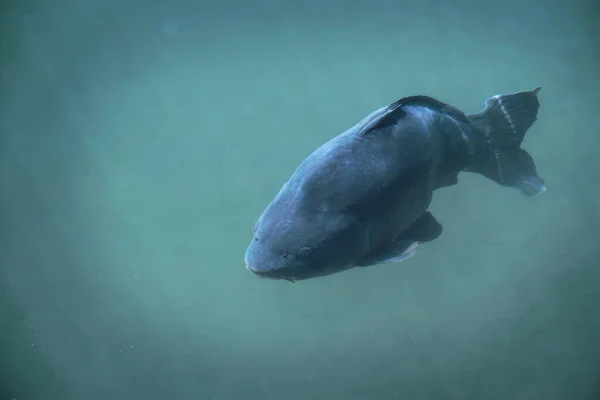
396,111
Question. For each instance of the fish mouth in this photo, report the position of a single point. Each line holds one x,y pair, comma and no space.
271,278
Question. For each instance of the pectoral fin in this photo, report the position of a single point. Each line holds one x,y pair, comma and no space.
425,229
397,252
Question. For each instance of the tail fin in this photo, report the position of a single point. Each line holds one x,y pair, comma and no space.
503,124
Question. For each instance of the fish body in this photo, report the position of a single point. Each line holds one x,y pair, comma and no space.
362,198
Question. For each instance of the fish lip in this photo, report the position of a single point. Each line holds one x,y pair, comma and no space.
258,274
261,276
274,278
271,278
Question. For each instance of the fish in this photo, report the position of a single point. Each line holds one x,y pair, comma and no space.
363,197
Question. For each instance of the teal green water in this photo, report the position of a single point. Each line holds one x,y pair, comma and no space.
141,141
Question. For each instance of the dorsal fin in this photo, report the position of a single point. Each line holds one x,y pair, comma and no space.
395,111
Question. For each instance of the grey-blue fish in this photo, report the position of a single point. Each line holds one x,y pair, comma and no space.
362,198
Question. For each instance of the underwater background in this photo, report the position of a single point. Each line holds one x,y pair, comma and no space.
140,141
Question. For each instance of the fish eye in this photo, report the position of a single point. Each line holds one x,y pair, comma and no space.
304,251
284,254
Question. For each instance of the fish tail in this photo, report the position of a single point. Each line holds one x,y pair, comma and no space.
500,129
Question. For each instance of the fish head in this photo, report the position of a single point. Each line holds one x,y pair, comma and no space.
292,245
